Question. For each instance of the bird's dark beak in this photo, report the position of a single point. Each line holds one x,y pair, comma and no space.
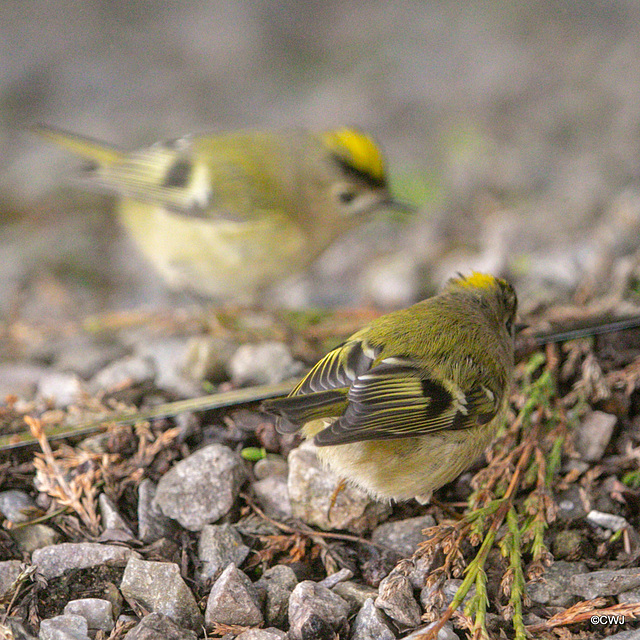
396,205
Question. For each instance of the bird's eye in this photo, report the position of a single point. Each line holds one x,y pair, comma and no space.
509,326
346,196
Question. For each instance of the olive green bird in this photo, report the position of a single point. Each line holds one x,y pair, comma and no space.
228,215
410,401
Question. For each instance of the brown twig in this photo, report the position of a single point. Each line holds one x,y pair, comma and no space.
585,610
308,532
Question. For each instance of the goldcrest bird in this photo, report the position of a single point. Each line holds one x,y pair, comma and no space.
228,215
410,401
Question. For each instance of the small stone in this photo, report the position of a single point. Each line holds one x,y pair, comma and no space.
355,593
218,546
201,488
206,358
402,536
270,466
312,487
85,356
156,626
54,560
34,536
605,583
570,505
111,518
167,356
277,583
98,613
449,590
9,572
607,520
392,282
420,570
593,435
152,523
159,587
14,630
314,607
233,600
396,600
567,544
15,505
67,627
629,597
336,578
446,633
62,388
262,634
264,363
126,372
20,379
631,634
272,495
370,624
554,587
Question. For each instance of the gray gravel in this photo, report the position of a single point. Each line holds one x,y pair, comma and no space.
201,488
54,560
158,587
233,600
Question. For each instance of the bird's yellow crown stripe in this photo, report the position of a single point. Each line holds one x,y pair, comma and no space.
356,149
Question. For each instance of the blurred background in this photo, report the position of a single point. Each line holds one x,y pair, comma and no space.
514,126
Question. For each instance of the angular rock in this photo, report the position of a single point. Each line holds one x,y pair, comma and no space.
370,624
9,572
336,578
448,590
157,626
311,489
159,587
206,358
111,518
629,597
218,546
276,584
67,627
446,633
270,466
152,523
264,363
262,634
593,435
554,588
570,505
15,505
402,536
128,371
314,607
355,594
201,488
34,536
98,613
233,600
14,630
607,520
62,388
272,494
54,560
396,600
167,355
20,379
85,356
605,583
